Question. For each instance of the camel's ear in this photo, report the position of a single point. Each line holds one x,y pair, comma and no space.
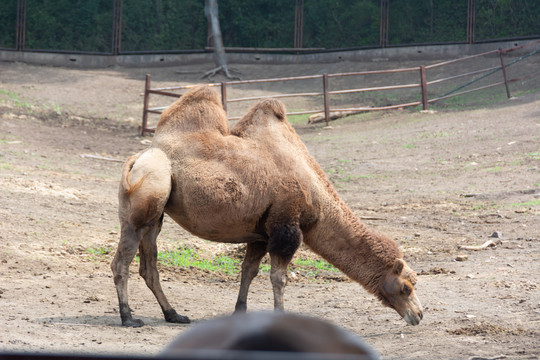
399,264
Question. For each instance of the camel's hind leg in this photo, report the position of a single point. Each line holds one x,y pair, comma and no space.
127,248
141,215
148,270
283,242
250,268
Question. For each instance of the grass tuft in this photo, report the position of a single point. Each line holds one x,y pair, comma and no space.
186,257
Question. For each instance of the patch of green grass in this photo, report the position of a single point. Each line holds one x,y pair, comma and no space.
15,99
5,166
434,135
350,178
45,167
186,257
99,251
9,94
535,202
53,107
534,155
8,138
408,146
516,162
337,174
331,171
483,206
315,265
494,169
301,119
473,100
264,268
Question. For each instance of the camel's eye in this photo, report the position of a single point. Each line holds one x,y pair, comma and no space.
406,290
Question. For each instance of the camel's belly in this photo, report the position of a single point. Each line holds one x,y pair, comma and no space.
218,227
217,204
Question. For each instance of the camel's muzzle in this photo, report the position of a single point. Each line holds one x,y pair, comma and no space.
413,312
413,318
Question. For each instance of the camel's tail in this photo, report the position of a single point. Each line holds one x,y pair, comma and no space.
127,186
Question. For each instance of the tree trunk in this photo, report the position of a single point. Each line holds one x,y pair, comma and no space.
220,58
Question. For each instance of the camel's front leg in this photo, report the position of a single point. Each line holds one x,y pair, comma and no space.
250,268
283,243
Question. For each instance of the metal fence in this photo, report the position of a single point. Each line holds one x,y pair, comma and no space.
169,26
419,87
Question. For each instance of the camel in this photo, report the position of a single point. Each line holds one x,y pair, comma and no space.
256,184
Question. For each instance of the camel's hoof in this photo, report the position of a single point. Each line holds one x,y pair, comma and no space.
240,308
133,323
173,317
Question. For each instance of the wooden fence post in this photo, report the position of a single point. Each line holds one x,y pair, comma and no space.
504,74
326,100
423,85
145,104
224,95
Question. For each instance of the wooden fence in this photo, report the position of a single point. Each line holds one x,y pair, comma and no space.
421,85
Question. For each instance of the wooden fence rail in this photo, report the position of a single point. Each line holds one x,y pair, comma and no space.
325,94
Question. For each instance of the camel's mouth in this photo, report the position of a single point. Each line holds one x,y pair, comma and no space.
413,318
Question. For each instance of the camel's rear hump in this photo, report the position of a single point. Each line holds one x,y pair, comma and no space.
259,117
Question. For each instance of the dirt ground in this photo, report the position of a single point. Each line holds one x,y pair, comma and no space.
432,181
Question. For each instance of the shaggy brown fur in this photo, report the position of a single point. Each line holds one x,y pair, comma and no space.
256,184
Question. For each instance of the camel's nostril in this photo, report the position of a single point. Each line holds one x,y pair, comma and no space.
420,315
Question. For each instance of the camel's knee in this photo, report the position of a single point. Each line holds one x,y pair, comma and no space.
148,254
278,271
142,269
249,271
278,279
120,272
149,273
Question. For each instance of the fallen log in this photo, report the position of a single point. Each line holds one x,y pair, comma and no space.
488,358
319,117
97,157
489,243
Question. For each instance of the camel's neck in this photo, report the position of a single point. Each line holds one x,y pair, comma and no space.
361,253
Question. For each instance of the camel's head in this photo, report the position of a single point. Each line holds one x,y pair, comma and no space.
397,291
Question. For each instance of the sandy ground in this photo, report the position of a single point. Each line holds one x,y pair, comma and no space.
431,181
